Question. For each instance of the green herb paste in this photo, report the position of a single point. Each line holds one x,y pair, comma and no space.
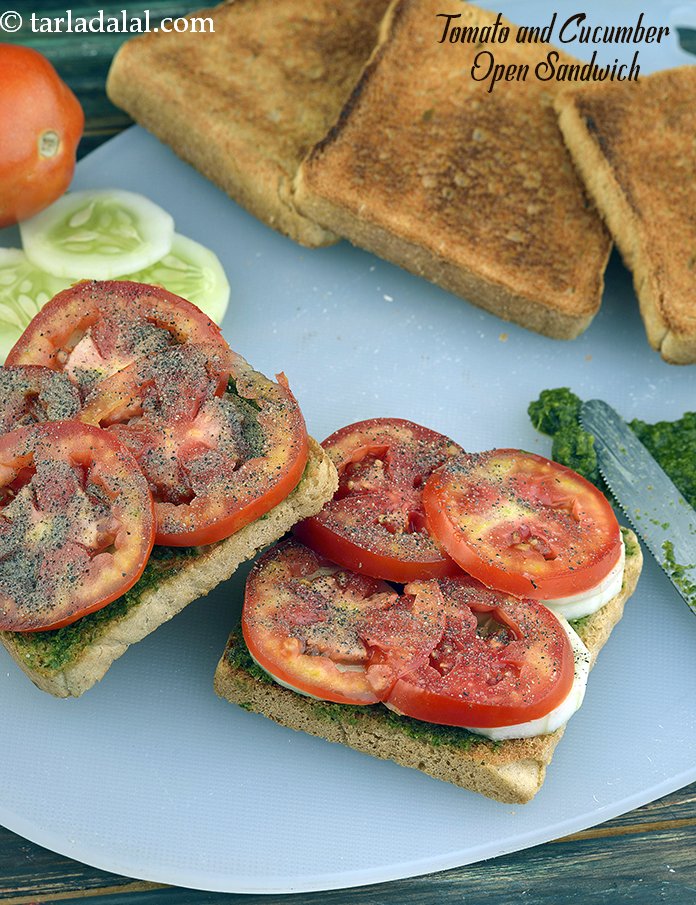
239,657
55,649
682,576
672,443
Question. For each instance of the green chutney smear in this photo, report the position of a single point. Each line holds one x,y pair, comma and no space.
671,443
57,648
238,656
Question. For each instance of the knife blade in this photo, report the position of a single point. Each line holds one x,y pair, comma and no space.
654,506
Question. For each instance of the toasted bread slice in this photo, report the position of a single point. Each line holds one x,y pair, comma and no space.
68,661
634,144
245,104
511,771
473,190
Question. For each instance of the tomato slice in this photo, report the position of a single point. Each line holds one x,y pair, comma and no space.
300,622
30,394
76,524
523,524
445,651
375,523
219,443
170,386
95,329
499,662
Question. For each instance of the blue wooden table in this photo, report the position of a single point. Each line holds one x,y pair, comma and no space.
645,857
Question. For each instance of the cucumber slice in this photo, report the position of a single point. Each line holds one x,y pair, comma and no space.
192,271
24,290
97,235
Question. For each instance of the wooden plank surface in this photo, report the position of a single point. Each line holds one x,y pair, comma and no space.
642,858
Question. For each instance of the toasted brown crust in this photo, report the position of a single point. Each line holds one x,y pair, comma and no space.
512,771
474,191
633,143
181,585
244,105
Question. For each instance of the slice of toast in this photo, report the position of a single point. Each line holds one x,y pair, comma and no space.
511,771
67,662
634,144
473,190
245,104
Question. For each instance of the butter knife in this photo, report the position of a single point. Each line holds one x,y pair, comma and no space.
655,508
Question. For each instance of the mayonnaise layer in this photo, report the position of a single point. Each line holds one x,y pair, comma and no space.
578,605
560,715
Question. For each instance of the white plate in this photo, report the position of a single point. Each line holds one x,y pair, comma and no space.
150,775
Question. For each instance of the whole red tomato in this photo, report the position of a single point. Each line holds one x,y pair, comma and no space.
41,122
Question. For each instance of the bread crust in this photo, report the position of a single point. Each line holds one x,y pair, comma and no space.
177,586
511,771
633,144
244,105
474,191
